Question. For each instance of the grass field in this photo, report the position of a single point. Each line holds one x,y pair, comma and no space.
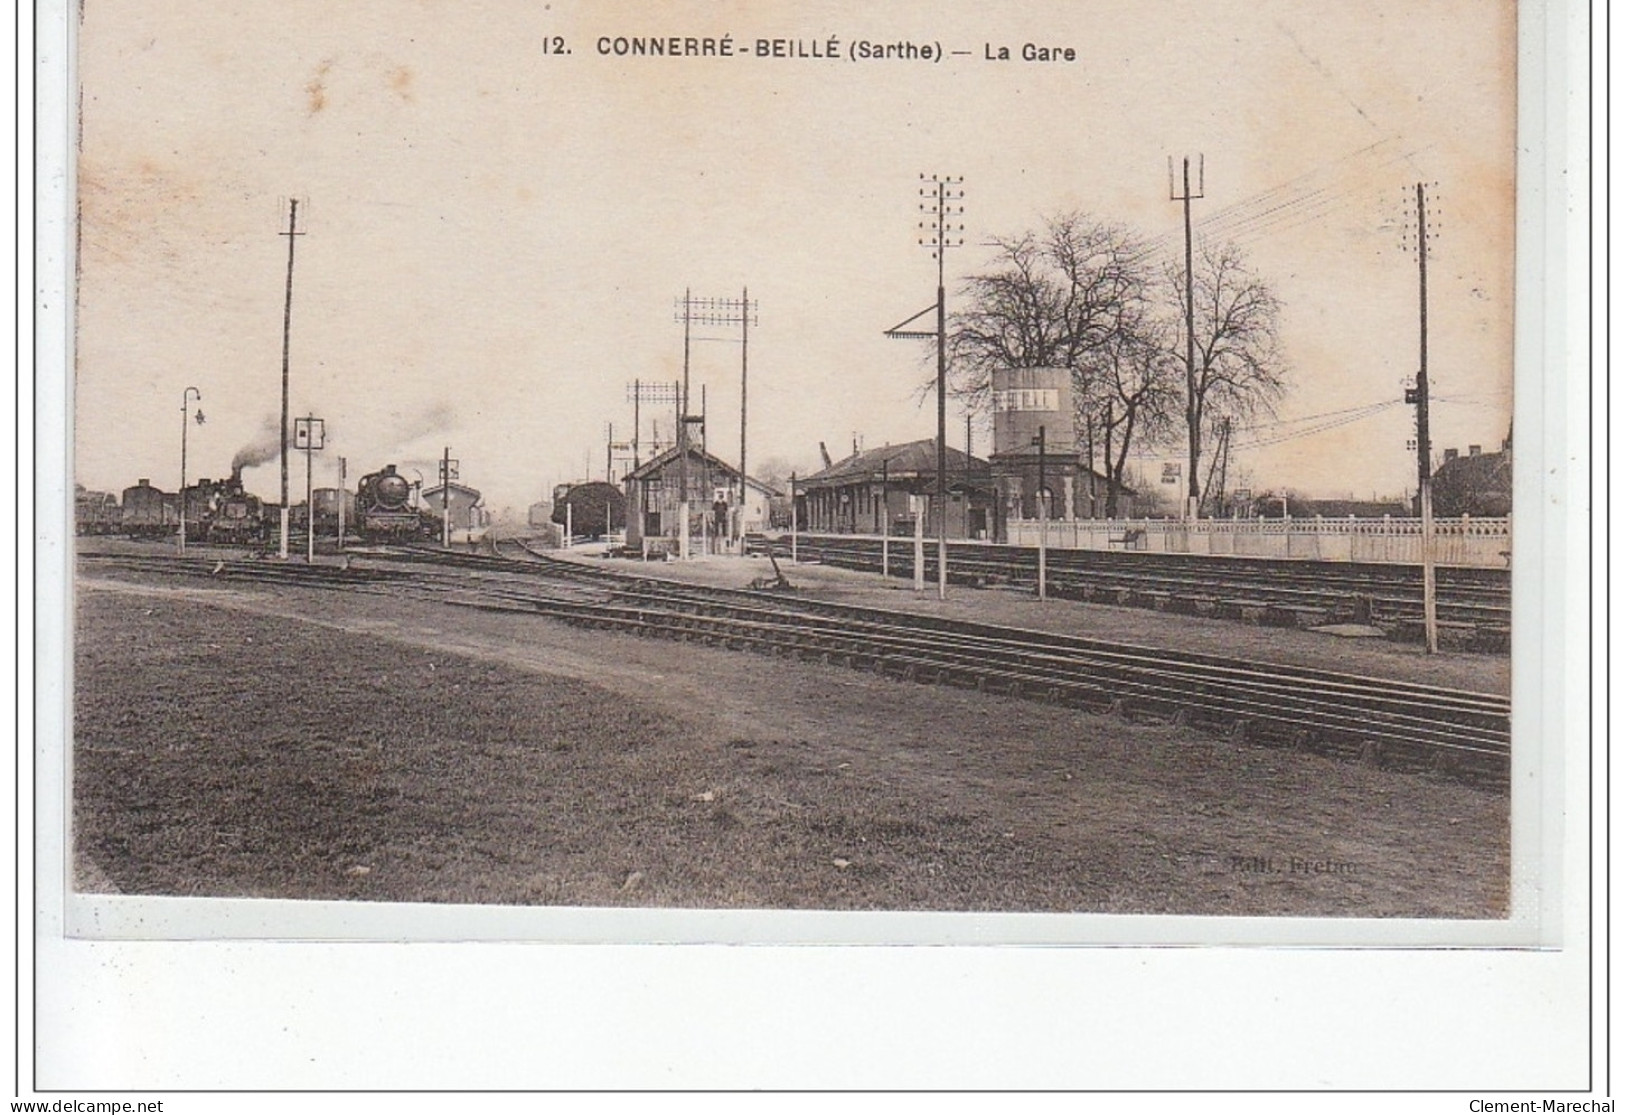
388,749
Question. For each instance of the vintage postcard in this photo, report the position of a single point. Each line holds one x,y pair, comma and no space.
515,454
1011,473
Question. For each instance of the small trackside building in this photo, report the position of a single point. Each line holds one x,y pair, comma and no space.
462,503
718,515
869,492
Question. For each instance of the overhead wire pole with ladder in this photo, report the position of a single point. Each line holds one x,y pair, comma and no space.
942,196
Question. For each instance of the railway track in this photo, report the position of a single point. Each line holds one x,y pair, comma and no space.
1474,604
1392,723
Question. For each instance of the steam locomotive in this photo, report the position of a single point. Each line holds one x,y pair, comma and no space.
384,511
217,511
223,512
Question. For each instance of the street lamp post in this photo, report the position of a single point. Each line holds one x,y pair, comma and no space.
185,418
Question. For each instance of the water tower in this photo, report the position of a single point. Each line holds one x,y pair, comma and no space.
1025,399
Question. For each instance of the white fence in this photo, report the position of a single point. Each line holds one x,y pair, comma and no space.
1485,543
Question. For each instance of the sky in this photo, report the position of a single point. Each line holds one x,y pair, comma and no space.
495,234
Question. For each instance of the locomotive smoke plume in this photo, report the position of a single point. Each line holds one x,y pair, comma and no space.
262,448
432,419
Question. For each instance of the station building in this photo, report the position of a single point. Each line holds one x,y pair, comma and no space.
462,505
870,492
717,516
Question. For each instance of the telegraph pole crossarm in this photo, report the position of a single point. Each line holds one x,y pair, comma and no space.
638,392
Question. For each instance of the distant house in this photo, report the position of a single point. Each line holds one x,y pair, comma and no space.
1479,484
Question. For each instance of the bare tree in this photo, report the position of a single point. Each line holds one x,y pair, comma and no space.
1052,297
1237,372
1135,393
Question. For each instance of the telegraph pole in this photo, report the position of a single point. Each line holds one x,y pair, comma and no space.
1424,463
342,472
448,472
682,434
287,324
885,519
742,312
1043,508
967,470
939,244
744,383
1192,425
940,201
1224,462
185,418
